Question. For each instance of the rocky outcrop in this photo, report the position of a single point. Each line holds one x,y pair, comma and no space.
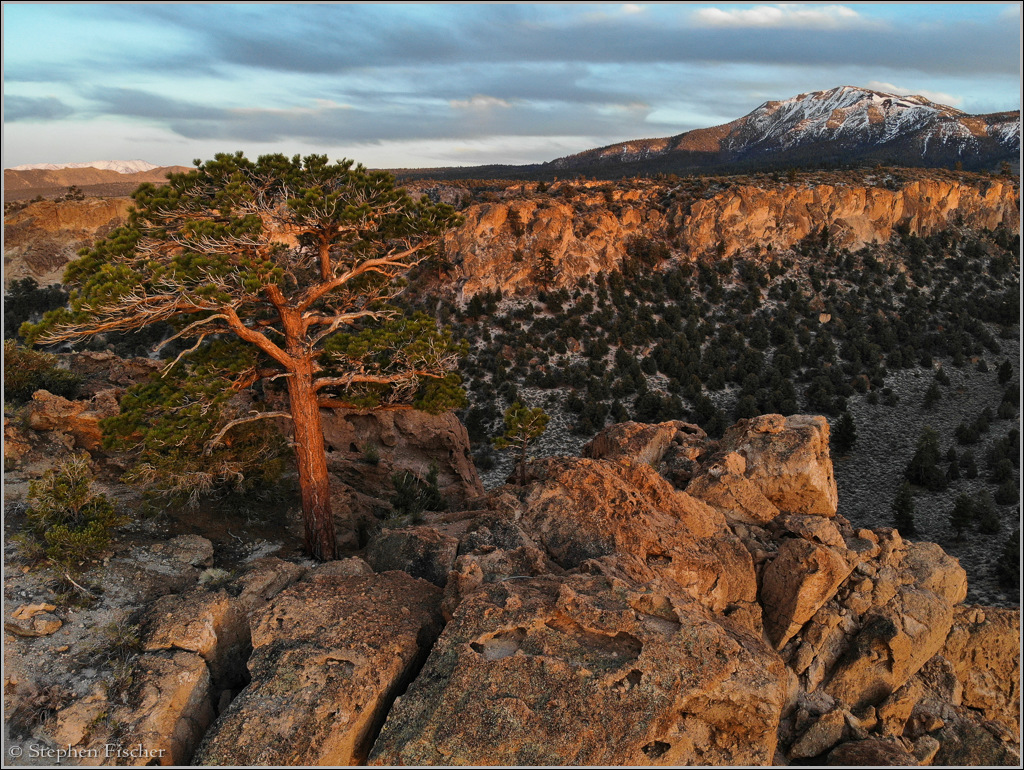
580,509
498,244
746,216
40,239
595,614
584,230
79,419
591,671
787,459
329,656
423,552
165,708
642,443
365,447
983,647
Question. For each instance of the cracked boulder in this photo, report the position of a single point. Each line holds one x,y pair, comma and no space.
328,658
587,670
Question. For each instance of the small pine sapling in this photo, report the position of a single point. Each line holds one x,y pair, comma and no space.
523,426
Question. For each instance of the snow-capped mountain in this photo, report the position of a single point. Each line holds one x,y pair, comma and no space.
841,125
120,166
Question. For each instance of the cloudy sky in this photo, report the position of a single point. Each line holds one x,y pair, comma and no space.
433,85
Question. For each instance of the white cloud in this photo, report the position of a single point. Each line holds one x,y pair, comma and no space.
934,96
783,15
632,8
479,102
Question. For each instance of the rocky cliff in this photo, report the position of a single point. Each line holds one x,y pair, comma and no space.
588,228
596,614
524,239
40,239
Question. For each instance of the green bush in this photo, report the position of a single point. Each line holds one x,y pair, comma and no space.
65,517
413,495
26,371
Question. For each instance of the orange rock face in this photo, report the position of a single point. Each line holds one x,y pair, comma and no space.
81,419
498,245
984,648
787,459
587,670
40,239
582,509
855,216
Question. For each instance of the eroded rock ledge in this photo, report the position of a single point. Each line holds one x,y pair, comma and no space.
599,614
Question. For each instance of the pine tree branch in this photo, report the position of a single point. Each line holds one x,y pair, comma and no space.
213,442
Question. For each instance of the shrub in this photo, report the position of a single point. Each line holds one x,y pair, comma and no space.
1007,568
1008,493
64,515
26,371
413,495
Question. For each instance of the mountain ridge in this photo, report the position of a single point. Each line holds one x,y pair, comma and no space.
839,126
120,166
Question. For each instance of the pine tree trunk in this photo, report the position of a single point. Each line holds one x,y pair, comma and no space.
311,457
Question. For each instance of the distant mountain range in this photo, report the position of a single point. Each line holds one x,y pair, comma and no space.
120,166
845,125
112,179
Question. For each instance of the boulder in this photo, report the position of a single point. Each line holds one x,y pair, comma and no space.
587,670
423,552
894,642
350,567
211,624
821,736
365,447
266,578
871,752
967,742
722,485
167,710
80,419
580,509
640,443
329,656
796,583
787,459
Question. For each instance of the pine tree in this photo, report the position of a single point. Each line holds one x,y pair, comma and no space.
297,258
1007,568
932,396
845,434
1004,373
963,515
523,426
986,515
923,467
903,510
969,465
